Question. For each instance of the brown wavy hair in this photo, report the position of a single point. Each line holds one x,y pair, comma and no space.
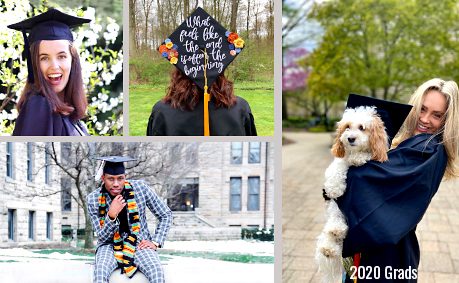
75,102
184,92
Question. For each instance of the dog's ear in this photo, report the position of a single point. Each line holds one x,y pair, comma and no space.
379,140
338,147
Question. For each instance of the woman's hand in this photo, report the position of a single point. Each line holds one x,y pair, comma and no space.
117,205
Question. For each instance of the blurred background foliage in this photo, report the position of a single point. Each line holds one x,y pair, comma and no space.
383,49
101,53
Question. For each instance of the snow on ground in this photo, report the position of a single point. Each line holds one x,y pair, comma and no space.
20,252
238,246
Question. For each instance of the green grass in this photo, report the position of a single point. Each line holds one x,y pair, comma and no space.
259,96
9,261
235,257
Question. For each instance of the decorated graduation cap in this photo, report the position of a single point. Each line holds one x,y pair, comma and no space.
112,165
392,114
202,49
51,25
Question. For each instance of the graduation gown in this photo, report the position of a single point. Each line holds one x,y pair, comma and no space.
223,121
38,119
384,202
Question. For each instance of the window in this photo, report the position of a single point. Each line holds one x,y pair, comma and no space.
236,153
31,225
49,217
29,161
235,201
66,196
11,222
254,152
185,195
47,166
66,151
9,160
254,194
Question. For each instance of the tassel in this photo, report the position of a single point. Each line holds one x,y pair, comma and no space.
206,98
30,77
100,171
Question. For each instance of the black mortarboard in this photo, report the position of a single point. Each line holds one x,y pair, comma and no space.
202,49
112,165
393,114
51,25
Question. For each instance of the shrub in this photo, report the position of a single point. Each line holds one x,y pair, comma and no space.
258,234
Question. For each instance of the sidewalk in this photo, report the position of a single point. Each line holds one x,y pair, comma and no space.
303,166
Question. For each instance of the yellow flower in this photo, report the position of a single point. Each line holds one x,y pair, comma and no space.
239,43
174,60
169,45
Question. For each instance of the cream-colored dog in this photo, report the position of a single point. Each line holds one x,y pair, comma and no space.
361,137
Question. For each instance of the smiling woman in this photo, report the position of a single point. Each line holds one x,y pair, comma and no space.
53,100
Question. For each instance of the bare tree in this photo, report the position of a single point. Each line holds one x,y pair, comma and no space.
235,5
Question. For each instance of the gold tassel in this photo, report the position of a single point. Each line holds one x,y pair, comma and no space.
206,98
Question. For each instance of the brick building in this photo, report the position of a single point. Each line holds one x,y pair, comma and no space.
27,212
230,186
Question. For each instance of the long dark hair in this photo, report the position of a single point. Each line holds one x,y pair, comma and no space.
75,102
184,92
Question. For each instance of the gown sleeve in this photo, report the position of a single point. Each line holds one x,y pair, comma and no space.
36,118
156,122
385,201
250,129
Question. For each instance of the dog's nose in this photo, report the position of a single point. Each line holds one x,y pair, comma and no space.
351,140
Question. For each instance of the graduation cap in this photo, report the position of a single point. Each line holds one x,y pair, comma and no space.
202,49
393,114
51,25
112,165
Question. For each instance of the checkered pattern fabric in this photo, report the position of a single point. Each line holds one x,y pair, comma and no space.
146,260
124,249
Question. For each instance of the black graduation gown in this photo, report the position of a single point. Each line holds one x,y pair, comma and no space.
223,121
38,119
385,201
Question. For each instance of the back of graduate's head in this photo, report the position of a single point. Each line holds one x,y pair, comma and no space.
75,102
183,92
449,129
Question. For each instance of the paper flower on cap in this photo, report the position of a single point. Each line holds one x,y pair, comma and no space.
232,37
239,43
162,48
174,60
172,53
233,52
169,45
165,54
167,40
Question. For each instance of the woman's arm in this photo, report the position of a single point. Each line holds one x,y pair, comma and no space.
36,118
384,201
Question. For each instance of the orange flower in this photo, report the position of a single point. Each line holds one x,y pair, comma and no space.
232,37
162,48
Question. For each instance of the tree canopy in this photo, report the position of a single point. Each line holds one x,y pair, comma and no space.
384,49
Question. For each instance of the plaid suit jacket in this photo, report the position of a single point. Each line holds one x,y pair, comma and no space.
145,197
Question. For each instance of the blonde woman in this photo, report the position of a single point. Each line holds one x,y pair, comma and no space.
384,202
